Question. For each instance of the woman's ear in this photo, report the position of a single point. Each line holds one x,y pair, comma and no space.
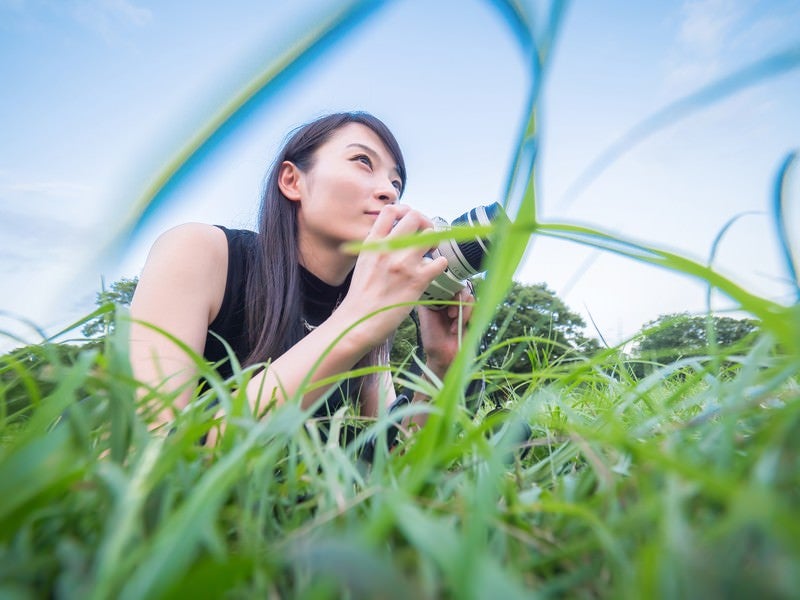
289,180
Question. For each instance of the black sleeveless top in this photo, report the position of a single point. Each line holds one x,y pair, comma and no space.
319,301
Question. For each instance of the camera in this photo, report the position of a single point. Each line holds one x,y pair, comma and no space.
464,259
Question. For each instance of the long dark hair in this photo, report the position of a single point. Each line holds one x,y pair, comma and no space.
273,307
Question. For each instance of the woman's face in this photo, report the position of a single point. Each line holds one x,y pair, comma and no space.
352,177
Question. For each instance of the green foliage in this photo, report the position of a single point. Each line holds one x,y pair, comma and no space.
531,328
30,373
119,294
673,337
404,344
681,484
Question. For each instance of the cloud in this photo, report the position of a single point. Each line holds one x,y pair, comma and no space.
103,17
42,221
58,189
704,32
127,11
29,237
106,17
707,25
41,256
773,31
43,198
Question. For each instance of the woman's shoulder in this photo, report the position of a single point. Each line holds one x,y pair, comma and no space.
188,262
192,248
193,233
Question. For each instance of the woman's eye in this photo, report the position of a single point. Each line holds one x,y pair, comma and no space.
398,186
363,158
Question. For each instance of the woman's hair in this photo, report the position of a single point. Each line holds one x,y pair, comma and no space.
273,307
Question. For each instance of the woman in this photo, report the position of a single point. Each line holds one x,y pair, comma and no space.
290,294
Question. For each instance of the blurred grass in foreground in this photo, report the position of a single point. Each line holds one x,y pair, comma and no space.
681,484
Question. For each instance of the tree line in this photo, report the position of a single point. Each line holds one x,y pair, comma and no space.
532,329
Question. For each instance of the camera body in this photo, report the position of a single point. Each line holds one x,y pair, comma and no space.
464,259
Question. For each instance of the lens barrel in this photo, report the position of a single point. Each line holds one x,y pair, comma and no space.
472,252
464,259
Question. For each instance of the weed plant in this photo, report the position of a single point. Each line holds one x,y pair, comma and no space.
588,482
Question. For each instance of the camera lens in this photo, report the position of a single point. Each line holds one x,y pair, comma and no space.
471,253
464,259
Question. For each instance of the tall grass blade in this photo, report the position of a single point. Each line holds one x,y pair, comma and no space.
781,321
780,197
771,66
321,34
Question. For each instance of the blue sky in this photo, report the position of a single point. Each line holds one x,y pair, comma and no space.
98,94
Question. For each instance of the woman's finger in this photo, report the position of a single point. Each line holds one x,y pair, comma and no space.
433,267
412,222
389,215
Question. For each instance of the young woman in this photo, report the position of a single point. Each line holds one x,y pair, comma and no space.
286,294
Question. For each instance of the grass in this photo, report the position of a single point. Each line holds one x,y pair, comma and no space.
681,484
591,483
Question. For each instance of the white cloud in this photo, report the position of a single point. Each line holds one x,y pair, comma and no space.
103,17
107,16
125,10
42,254
60,189
771,32
707,25
704,32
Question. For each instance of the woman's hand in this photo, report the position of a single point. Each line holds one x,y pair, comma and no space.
388,278
441,331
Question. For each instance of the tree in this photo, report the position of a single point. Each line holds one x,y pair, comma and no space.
545,327
120,294
675,336
404,343
30,373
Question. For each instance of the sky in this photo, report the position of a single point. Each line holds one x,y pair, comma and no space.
98,95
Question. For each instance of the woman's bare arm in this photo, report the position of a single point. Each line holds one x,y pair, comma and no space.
181,290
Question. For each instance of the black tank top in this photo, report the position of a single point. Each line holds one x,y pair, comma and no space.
319,301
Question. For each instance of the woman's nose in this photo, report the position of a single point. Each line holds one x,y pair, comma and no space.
388,193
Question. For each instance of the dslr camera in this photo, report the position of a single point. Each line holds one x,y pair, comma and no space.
464,259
